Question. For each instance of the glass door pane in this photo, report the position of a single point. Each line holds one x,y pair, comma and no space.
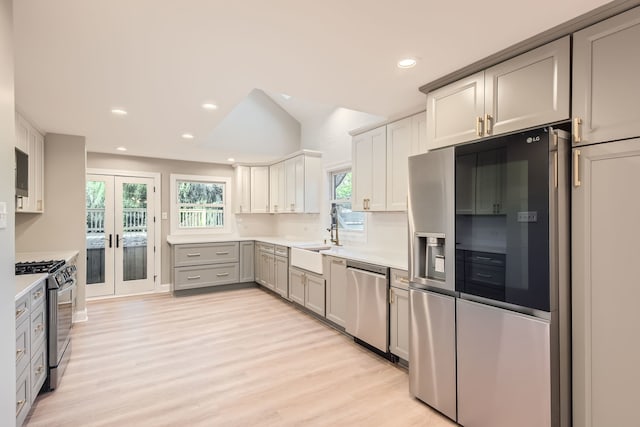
99,235
135,235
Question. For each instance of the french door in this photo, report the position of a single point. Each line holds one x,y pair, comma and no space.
120,235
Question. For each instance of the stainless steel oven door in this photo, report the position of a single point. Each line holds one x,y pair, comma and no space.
60,320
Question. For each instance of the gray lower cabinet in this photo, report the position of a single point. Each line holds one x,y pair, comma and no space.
31,349
606,66
336,304
399,314
605,291
307,289
281,280
257,266
247,262
205,264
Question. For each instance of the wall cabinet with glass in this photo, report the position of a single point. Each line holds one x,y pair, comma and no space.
31,142
526,91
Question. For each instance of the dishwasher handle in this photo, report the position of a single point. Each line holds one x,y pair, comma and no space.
370,273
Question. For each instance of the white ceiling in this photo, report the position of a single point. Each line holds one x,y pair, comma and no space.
160,60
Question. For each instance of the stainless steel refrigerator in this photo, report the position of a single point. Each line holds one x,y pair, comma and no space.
432,312
489,269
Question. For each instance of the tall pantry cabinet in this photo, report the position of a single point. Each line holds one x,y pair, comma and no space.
605,230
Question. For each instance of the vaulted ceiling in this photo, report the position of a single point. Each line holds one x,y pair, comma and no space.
76,60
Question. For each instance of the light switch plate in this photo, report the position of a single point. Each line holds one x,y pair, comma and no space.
3,215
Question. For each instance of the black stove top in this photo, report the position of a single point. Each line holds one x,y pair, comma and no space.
36,267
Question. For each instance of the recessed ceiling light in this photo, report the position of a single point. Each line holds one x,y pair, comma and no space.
231,159
285,96
119,112
407,63
209,106
121,149
187,136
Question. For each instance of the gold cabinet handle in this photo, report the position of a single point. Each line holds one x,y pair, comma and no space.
193,255
37,295
390,296
222,274
479,126
19,404
20,311
222,253
577,130
19,352
488,123
40,369
193,277
403,280
576,168
38,328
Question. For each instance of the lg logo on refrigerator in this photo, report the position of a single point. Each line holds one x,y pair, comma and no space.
533,139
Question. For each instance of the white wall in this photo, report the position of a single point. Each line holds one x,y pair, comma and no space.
7,194
261,126
62,225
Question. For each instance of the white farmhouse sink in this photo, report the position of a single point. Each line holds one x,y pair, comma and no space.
307,257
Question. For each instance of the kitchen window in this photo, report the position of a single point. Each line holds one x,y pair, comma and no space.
199,204
341,188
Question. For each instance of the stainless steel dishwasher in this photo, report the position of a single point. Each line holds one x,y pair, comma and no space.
367,304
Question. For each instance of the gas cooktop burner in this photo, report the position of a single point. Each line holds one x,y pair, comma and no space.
38,267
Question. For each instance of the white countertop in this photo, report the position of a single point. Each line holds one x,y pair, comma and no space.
26,282
387,259
46,256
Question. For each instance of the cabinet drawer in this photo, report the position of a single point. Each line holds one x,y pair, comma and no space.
38,370
23,401
266,247
22,346
210,275
399,279
37,295
22,309
207,253
281,250
38,325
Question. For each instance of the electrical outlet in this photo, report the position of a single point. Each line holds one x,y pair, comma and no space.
531,216
164,215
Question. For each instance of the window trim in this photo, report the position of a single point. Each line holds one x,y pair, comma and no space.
226,205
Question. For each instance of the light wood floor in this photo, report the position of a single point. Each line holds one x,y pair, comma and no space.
233,358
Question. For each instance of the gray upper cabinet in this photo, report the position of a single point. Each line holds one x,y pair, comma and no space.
528,90
606,66
453,112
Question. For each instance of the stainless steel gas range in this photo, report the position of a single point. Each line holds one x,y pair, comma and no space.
61,293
